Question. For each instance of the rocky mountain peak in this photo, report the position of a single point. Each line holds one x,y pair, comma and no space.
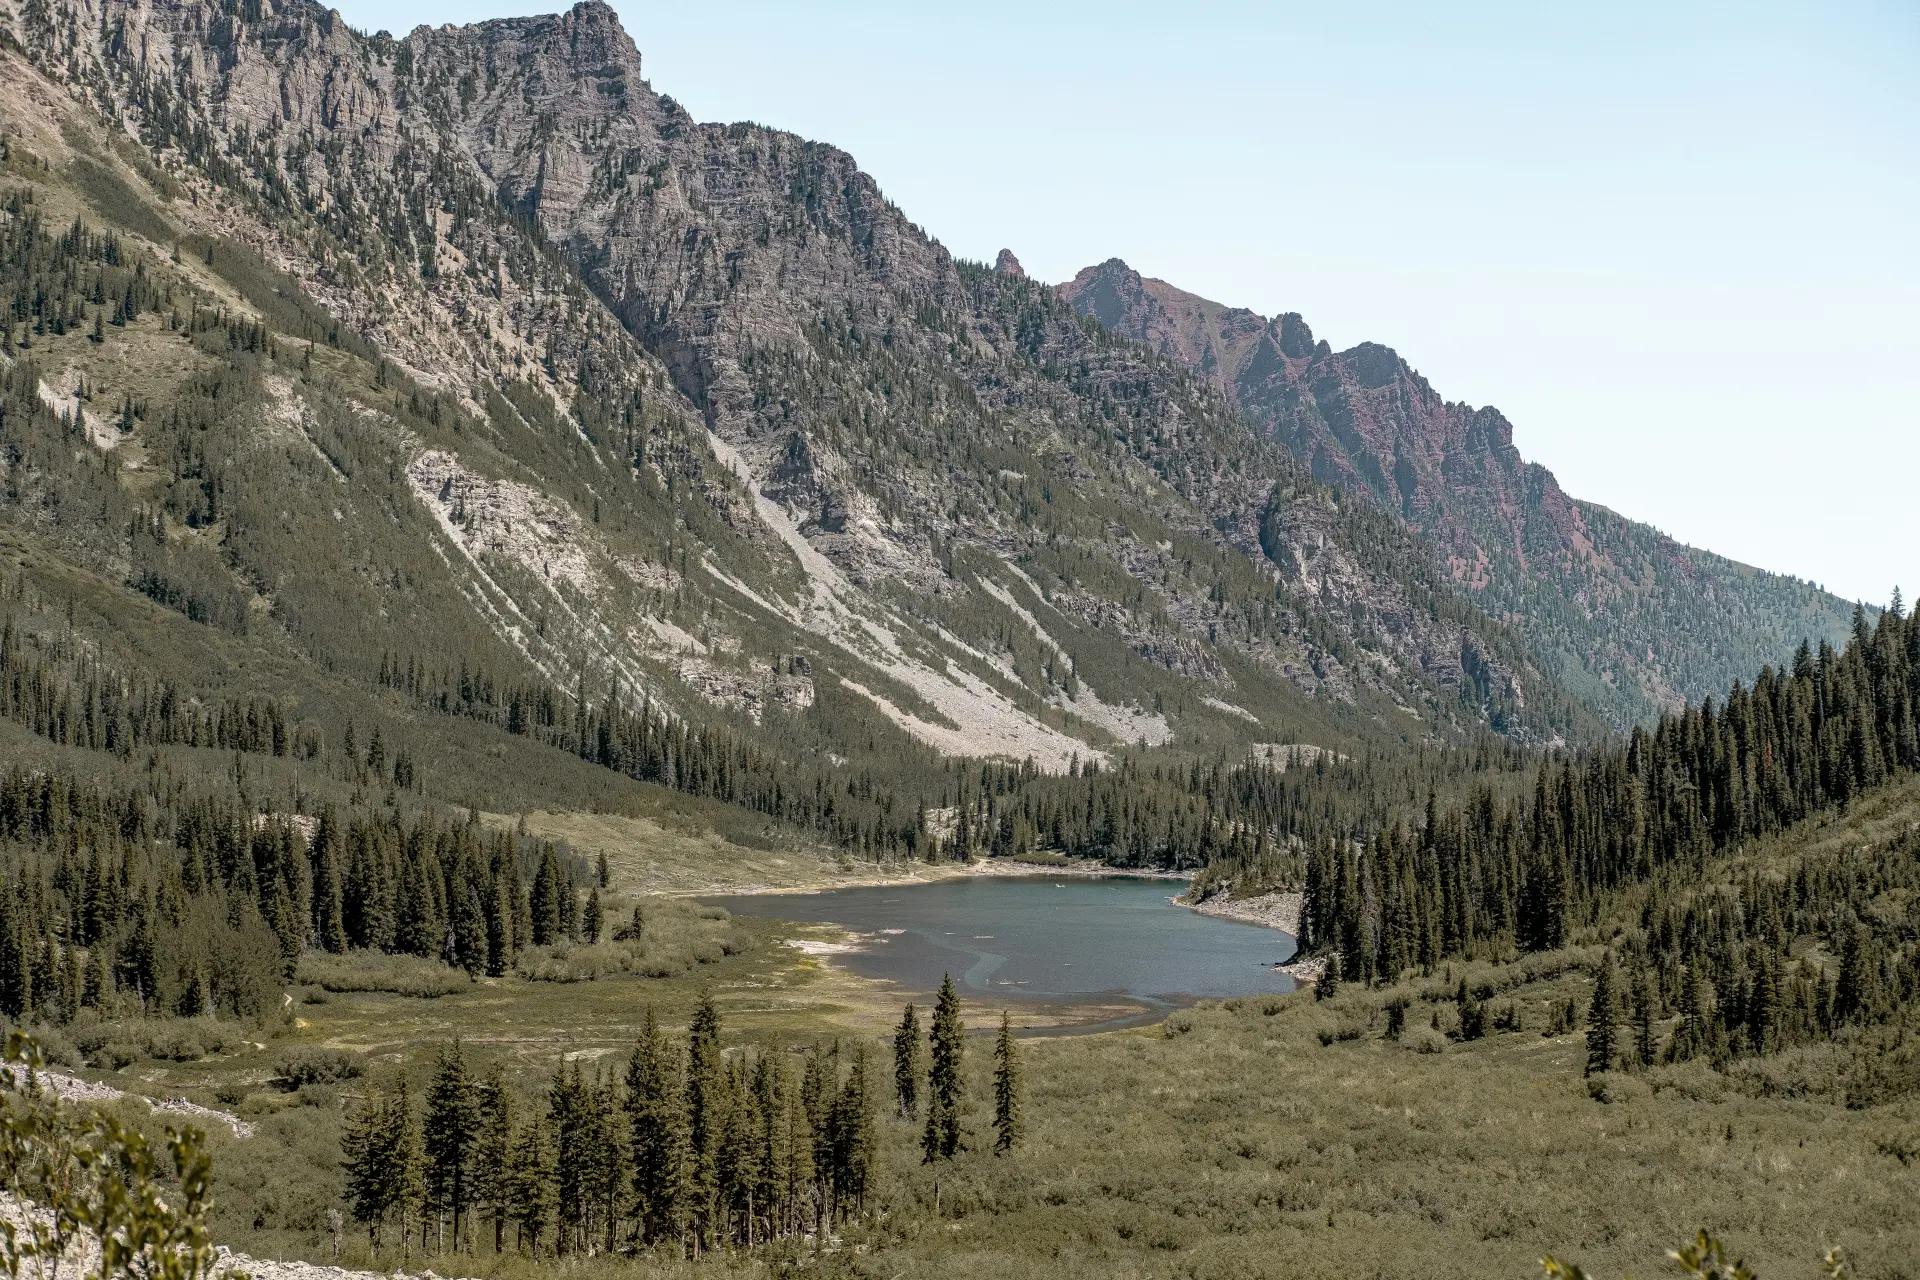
588,39
1008,265
1366,420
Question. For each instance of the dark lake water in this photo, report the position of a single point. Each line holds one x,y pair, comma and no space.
1033,938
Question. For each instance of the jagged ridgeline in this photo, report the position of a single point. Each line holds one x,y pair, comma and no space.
1614,611
463,372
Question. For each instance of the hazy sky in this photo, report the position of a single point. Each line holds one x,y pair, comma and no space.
1678,245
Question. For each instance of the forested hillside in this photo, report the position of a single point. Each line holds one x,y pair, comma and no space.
770,460
1627,618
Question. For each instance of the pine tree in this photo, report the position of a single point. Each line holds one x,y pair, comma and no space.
656,1133
367,1160
706,1112
851,1127
408,1165
1602,1029
1328,983
941,1139
1856,993
1643,1010
492,1156
449,1131
530,1180
906,1062
591,920
1006,1090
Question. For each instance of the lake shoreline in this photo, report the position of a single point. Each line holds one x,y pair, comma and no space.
1068,950
873,876
1279,910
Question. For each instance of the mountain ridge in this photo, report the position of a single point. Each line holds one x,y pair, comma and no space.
689,409
1594,592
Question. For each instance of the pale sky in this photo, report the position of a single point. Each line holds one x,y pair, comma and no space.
1677,244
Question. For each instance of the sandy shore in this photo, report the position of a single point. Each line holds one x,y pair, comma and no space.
869,875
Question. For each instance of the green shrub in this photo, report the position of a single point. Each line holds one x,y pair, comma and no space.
376,971
305,1067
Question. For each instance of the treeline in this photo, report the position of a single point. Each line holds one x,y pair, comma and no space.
66,696
1234,823
692,1148
167,901
1637,823
848,808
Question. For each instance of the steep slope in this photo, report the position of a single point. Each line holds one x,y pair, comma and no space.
470,350
1626,617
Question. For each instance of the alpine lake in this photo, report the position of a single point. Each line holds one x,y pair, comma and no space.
1064,956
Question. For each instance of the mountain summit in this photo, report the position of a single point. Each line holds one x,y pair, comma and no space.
1627,616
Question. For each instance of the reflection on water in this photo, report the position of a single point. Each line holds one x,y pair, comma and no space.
1072,940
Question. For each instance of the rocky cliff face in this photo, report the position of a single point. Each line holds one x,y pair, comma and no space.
627,396
1632,619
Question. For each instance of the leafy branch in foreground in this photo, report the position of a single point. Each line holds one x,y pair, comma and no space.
1704,1258
79,1184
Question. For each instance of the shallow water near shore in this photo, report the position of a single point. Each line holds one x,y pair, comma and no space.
1034,940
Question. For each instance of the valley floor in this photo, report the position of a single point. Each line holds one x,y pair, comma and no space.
1250,1137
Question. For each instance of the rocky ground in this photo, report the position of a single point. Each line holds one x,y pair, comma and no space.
74,1089
1274,910
82,1258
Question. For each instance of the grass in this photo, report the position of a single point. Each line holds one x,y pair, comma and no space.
1231,1142
1234,1139
1242,1138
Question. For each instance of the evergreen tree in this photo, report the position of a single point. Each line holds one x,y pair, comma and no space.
941,1139
530,1182
367,1158
492,1156
408,1164
706,1113
1602,1026
1006,1090
656,1134
852,1136
906,1062
1643,1011
1328,982
591,919
449,1131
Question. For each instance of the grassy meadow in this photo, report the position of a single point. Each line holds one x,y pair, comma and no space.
1259,1137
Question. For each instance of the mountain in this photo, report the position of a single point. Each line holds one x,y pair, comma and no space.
469,354
1625,617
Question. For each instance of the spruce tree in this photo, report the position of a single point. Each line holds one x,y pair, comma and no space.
1643,1011
852,1130
530,1180
656,1133
591,920
941,1139
1327,984
367,1159
906,1062
706,1111
492,1156
407,1163
1006,1090
1602,1025
449,1130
